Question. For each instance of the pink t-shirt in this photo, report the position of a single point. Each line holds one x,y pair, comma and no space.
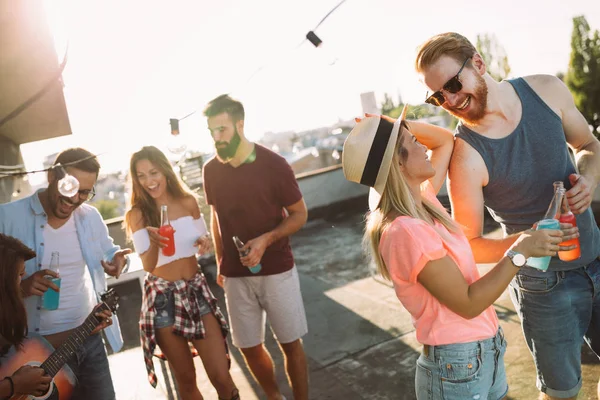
406,246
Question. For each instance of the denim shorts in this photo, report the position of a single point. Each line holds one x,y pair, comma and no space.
165,309
558,311
473,370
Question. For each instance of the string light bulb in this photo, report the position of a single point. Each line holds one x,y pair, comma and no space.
68,185
325,52
176,144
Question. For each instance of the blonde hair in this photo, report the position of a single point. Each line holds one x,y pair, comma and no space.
140,199
449,44
397,200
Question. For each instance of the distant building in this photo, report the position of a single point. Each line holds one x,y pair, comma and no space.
369,103
190,170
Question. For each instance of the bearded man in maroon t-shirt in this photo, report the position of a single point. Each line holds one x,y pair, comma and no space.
254,195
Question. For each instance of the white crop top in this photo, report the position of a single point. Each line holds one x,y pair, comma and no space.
187,231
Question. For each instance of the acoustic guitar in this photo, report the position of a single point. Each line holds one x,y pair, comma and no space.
36,349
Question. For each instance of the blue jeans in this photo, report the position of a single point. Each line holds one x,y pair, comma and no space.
558,311
473,370
165,309
90,366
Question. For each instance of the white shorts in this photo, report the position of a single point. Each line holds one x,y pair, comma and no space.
251,300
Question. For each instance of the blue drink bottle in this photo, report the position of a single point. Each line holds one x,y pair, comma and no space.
239,245
51,297
542,263
550,221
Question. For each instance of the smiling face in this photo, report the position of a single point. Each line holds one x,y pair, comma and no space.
469,104
415,163
61,206
150,178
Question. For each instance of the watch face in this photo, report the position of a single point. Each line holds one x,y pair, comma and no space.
519,260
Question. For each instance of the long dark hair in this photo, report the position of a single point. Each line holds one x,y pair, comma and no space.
140,199
13,317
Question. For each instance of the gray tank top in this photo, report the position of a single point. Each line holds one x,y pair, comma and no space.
520,188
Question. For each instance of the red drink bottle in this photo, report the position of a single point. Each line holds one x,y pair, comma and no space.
167,231
567,217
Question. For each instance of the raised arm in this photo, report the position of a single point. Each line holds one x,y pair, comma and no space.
441,142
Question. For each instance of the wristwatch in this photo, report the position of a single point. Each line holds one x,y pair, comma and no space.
517,259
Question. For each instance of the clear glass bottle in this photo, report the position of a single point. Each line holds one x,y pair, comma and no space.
550,221
51,298
239,245
167,231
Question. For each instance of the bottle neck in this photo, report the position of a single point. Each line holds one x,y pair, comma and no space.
54,262
164,216
555,208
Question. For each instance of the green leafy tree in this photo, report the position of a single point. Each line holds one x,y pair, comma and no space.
107,208
583,76
388,105
494,55
393,109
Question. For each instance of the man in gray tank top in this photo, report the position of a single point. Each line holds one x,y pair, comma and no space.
512,144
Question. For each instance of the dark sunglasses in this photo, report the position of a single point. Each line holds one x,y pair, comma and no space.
452,86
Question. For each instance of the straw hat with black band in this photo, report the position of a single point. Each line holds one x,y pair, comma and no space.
368,151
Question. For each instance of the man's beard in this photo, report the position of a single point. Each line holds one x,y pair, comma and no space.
228,152
478,111
54,200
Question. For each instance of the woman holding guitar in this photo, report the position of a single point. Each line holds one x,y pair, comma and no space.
27,380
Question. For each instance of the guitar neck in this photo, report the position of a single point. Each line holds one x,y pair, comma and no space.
75,340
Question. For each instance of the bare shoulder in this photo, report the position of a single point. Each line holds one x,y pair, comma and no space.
190,203
135,219
541,80
465,156
551,89
466,164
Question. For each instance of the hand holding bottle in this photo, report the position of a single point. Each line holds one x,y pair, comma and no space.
246,255
38,283
155,237
539,243
570,247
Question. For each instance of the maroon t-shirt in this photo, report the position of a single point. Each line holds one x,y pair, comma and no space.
250,201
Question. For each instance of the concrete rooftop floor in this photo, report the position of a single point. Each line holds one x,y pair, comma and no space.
361,343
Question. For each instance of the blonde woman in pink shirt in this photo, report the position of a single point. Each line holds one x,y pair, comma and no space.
416,244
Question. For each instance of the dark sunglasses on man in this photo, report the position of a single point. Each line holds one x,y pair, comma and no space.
453,86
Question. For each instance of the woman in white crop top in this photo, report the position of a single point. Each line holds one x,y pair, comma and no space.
174,285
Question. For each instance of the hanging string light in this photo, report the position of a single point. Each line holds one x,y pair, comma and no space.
316,41
68,185
176,144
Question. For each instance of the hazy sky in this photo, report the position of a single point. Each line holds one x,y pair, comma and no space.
134,64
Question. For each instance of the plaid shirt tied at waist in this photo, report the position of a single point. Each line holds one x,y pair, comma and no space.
188,322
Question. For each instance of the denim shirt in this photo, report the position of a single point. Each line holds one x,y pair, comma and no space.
25,220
